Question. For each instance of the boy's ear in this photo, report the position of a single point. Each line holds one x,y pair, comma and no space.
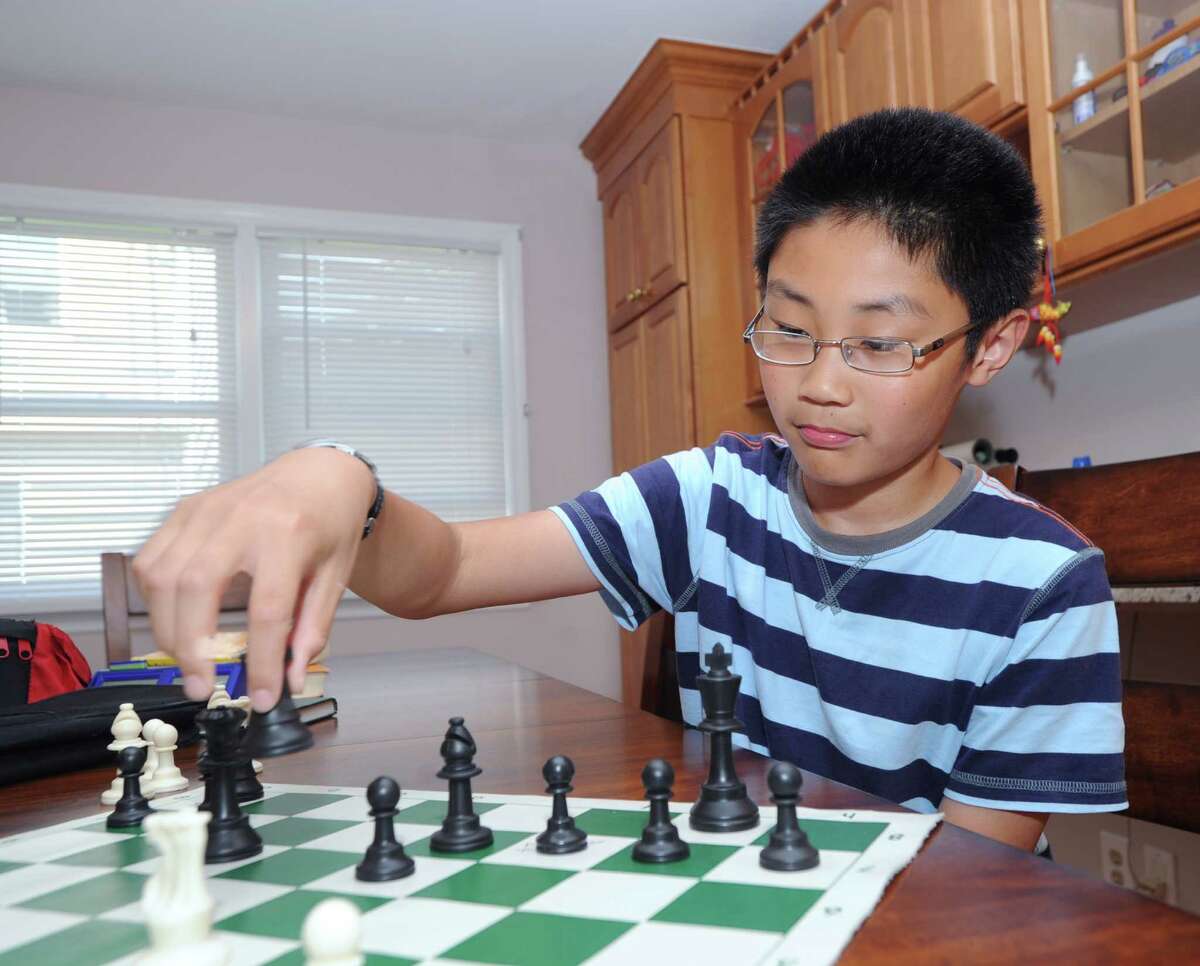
999,344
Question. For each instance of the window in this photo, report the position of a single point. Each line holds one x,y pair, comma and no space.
117,392
153,347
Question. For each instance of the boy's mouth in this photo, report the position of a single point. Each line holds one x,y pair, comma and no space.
825,437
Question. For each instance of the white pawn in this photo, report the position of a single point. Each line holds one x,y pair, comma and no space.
219,698
332,934
167,777
244,703
125,729
147,777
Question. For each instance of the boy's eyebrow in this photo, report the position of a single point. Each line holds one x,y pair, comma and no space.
895,304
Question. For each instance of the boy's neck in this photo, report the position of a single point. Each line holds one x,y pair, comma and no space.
882,505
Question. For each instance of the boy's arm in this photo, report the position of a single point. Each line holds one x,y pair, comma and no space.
1019,829
416,565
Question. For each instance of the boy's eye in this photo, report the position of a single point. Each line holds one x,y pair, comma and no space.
791,329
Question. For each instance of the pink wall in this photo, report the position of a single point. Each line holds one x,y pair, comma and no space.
68,140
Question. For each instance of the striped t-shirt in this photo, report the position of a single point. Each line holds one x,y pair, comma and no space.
971,653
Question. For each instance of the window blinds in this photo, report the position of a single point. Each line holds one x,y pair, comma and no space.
395,349
117,392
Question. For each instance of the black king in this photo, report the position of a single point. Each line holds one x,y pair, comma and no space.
723,805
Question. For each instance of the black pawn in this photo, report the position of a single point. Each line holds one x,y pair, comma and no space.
280,730
460,831
384,859
561,835
660,840
788,849
724,805
230,836
132,806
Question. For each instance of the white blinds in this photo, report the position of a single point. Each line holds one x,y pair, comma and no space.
117,392
395,349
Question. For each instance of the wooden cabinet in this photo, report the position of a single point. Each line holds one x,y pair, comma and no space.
871,59
644,249
973,52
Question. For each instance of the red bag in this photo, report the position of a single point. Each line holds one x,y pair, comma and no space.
39,661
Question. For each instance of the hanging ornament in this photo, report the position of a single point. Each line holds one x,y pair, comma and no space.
1050,310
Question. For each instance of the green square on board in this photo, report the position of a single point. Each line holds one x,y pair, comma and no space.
739,906
92,897
296,831
839,836
292,868
432,813
283,916
500,840
613,821
292,803
126,850
499,885
702,859
9,866
84,944
102,826
535,939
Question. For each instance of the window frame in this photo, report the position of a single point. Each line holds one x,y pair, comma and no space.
247,221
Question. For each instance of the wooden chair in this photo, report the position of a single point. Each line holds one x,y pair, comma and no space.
1145,516
122,600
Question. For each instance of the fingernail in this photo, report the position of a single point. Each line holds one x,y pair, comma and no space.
263,700
194,687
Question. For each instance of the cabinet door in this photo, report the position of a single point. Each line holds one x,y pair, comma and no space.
869,58
974,56
622,263
668,388
627,381
660,216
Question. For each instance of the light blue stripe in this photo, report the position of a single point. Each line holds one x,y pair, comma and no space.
625,617
1065,729
1064,807
628,507
1076,632
920,805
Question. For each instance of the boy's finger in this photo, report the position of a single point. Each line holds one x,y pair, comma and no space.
274,590
317,610
199,587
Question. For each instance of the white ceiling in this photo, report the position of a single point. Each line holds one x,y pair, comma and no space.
515,70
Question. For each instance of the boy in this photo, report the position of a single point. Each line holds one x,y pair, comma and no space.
901,622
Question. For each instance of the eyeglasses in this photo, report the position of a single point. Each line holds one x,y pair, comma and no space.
783,345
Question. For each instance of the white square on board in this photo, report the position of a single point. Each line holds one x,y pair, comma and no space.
599,848
668,942
419,928
610,895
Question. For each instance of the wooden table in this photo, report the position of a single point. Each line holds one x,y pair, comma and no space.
965,899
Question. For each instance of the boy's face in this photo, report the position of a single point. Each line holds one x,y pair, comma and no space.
834,281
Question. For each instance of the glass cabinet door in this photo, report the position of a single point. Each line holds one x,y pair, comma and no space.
766,159
799,120
1169,93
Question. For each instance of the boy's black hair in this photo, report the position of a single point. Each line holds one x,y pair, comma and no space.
940,186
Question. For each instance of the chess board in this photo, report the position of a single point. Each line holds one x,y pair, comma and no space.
70,894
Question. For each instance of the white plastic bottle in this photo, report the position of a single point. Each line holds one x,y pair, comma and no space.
1084,106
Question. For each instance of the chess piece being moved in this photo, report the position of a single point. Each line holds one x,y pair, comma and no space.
460,831
660,840
724,805
561,835
230,836
332,934
166,776
126,730
280,730
788,849
385,858
244,703
132,806
176,905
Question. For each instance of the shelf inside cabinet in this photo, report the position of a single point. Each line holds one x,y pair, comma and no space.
1167,95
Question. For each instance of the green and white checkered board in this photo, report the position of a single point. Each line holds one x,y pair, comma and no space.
70,894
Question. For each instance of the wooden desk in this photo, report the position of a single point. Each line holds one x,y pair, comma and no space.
965,899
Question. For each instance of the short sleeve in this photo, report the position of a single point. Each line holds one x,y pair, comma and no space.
641,533
1046,733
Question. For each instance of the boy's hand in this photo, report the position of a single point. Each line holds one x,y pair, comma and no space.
294,526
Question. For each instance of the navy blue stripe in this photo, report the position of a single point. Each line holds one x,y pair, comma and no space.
1042,766
659,487
1085,583
1095,677
867,688
597,510
766,461
981,515
985,606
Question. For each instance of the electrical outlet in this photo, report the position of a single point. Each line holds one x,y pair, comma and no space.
1159,877
1114,859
